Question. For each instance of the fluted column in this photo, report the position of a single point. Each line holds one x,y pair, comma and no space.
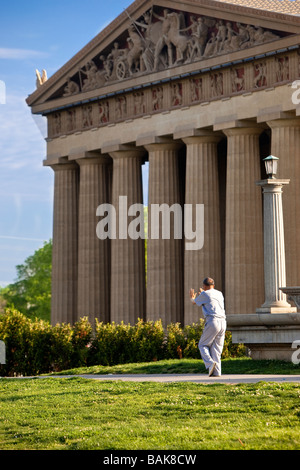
202,187
93,253
244,276
274,248
127,253
65,244
164,255
286,145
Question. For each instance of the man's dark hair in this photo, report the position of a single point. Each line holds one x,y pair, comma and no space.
208,281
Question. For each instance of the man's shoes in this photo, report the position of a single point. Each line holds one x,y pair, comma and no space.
211,370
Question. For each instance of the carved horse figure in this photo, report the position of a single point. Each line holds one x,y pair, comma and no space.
175,38
136,48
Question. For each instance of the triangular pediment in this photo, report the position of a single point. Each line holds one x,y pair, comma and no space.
155,40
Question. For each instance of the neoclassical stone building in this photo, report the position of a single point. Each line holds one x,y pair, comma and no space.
202,90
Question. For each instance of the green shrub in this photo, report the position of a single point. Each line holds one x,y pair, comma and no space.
36,347
175,341
81,342
39,354
61,348
232,350
15,332
193,333
120,344
147,341
110,345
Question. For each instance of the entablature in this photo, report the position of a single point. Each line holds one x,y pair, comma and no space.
159,42
219,83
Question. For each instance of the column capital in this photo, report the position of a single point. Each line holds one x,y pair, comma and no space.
115,149
182,133
126,154
93,159
236,124
272,185
163,146
207,138
289,122
81,155
273,182
152,142
64,166
247,130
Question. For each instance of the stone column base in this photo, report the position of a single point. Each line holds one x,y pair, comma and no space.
268,336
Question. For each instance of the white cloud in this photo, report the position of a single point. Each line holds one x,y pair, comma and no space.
20,54
4,237
25,186
22,143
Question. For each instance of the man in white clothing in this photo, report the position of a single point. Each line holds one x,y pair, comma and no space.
212,339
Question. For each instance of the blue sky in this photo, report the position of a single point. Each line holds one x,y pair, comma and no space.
34,34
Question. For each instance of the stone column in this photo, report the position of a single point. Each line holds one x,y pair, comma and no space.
65,244
244,276
286,145
164,255
93,253
127,254
274,248
202,187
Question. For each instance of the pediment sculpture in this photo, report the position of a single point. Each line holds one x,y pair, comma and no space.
161,39
41,78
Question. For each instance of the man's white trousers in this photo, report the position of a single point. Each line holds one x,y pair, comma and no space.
212,342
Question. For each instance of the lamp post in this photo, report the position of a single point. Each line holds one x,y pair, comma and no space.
274,247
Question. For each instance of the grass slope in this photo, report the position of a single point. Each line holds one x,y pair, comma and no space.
243,365
79,414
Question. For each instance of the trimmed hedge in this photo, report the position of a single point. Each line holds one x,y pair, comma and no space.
36,347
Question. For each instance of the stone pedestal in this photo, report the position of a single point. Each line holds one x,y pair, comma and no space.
244,232
127,254
65,244
164,256
293,294
93,254
202,187
267,336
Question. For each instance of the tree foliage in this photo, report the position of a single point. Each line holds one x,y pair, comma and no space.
31,293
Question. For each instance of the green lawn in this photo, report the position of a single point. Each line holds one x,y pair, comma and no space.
75,413
241,365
